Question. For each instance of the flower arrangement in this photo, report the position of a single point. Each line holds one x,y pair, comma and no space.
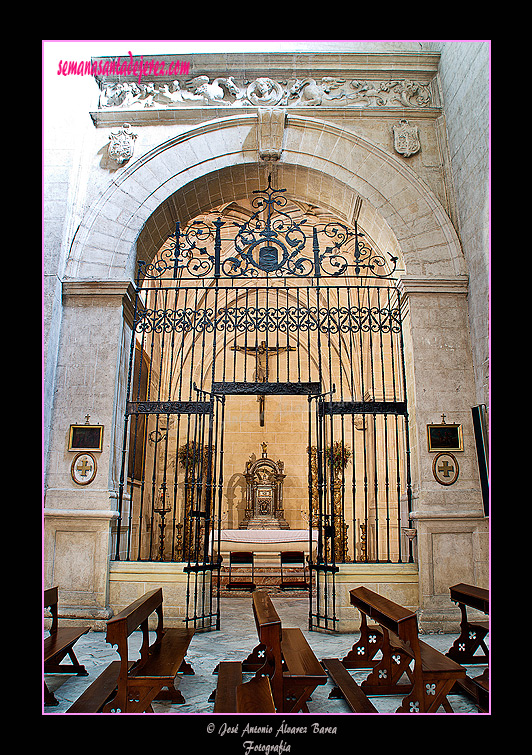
191,454
338,456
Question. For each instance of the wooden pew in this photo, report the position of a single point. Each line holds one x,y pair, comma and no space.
60,642
285,656
229,677
347,688
431,674
130,686
472,635
232,696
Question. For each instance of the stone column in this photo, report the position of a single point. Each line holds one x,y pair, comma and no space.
452,530
91,380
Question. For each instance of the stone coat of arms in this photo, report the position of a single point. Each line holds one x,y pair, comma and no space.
122,144
406,138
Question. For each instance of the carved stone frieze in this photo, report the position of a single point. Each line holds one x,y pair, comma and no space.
263,91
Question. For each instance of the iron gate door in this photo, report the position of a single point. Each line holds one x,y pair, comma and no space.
171,476
359,453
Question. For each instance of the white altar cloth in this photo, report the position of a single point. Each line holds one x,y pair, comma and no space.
265,541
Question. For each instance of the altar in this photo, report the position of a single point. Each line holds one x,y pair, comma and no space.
266,541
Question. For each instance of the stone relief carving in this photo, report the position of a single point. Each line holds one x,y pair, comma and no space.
266,92
309,92
270,133
122,143
406,138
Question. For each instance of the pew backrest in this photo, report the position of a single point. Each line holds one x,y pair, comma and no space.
399,620
269,632
50,601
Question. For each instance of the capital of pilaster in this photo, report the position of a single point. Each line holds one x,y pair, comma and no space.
98,288
456,284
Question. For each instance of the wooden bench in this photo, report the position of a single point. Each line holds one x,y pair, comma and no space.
255,696
471,639
285,656
431,675
130,686
60,642
232,696
472,633
347,688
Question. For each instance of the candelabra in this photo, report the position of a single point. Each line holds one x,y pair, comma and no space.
162,511
363,543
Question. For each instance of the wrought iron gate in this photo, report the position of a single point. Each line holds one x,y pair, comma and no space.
273,309
359,455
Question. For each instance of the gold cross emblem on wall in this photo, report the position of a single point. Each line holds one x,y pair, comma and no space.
84,468
446,468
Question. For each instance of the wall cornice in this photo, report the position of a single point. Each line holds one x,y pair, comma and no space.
379,65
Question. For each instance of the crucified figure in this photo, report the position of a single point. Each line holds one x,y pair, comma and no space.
262,354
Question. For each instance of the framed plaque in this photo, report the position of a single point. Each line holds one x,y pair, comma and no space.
85,438
445,437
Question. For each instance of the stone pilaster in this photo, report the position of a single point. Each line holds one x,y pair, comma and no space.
452,530
78,518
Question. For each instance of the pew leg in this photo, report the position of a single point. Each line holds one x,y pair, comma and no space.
54,665
172,694
295,700
256,659
447,706
470,640
364,651
387,673
186,668
427,696
49,697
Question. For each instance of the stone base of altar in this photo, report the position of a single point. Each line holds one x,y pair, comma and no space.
266,572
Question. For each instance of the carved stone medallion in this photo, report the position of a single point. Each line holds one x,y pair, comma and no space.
445,469
406,138
83,469
264,91
122,144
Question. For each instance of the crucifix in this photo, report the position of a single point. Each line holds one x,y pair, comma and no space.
262,354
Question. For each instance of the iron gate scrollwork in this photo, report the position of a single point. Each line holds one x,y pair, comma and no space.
290,307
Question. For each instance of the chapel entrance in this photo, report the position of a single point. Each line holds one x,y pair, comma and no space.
265,324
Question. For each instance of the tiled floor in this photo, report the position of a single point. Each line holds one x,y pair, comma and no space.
234,641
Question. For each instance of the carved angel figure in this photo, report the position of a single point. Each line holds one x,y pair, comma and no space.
264,91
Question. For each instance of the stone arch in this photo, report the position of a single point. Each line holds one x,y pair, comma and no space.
218,162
